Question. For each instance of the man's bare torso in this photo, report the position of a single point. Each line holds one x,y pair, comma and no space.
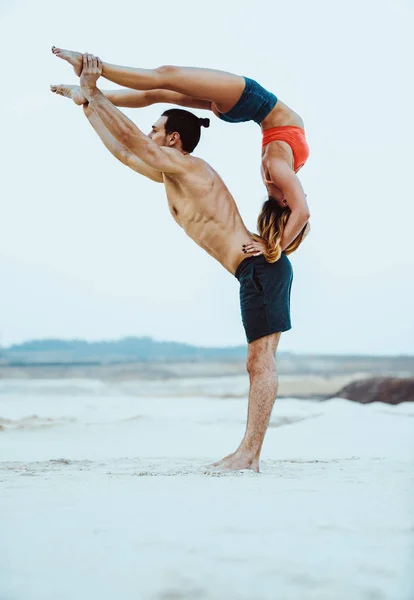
202,205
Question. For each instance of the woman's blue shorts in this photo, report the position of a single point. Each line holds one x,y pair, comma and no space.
254,104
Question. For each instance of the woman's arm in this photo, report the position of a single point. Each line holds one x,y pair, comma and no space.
284,178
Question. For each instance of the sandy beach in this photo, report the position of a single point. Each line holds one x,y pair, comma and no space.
105,492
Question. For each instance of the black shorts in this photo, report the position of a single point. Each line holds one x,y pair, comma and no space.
264,295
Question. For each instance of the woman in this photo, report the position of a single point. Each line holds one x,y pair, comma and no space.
234,99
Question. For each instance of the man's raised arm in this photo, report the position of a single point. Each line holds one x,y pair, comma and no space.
165,160
118,150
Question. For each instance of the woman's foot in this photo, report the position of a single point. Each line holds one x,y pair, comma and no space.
69,91
73,58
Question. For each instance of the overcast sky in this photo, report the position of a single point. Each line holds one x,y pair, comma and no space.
88,248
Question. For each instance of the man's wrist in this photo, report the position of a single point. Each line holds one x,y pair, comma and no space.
89,92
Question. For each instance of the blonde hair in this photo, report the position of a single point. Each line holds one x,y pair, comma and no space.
271,224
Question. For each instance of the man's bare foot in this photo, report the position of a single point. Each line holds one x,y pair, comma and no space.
238,461
73,58
69,91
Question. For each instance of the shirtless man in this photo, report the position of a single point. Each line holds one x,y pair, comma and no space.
202,205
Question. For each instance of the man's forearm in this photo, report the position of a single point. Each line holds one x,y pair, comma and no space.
118,124
117,149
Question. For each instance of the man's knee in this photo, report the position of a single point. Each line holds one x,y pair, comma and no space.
166,73
260,362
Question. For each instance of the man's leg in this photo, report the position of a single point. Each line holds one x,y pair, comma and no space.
261,366
222,88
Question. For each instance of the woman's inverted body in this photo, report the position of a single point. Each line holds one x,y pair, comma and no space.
232,98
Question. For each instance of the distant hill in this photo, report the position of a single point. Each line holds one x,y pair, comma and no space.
130,349
144,351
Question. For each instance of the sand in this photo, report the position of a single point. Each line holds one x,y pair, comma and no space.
105,492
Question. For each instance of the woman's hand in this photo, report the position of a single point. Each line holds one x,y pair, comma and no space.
255,248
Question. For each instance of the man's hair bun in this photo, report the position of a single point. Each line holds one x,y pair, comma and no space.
204,122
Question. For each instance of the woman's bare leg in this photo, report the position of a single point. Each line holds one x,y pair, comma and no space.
128,98
69,91
219,87
139,99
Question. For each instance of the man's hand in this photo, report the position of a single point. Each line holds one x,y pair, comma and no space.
91,71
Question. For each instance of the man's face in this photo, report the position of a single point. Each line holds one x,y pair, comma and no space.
158,134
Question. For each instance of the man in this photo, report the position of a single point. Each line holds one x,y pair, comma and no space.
202,205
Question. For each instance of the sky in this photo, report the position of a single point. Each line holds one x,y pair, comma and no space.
88,248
